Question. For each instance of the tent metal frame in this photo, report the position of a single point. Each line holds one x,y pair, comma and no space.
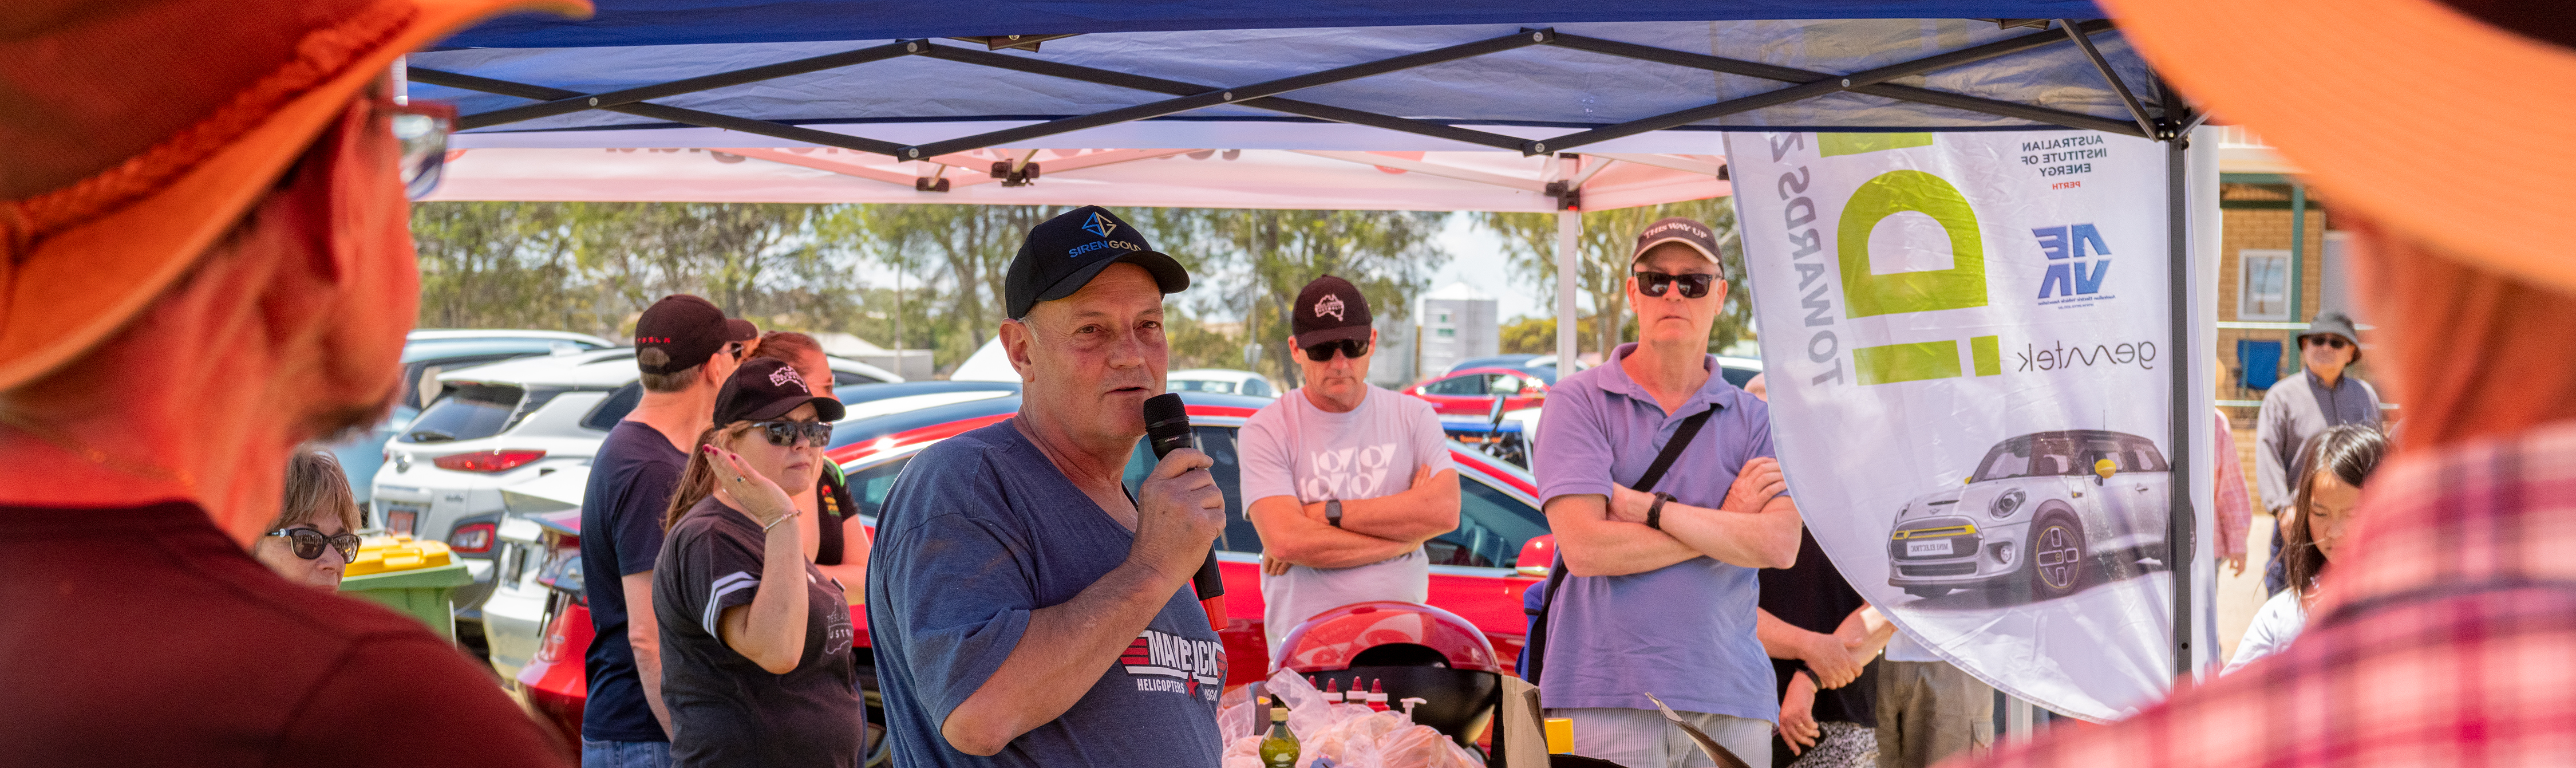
1267,95
2169,121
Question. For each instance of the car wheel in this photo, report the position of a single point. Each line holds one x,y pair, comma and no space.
1927,591
2057,557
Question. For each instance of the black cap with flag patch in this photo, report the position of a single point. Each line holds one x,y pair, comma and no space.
1329,309
1062,254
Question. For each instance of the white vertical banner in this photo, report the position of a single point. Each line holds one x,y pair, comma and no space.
1968,346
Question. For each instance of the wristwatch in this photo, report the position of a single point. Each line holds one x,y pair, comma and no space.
1655,513
1333,512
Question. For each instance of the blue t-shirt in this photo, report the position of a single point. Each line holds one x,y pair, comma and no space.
1683,632
631,481
980,531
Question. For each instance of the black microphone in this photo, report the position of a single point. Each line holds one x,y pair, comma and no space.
1167,428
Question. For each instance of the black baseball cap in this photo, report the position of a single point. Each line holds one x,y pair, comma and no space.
767,388
1330,309
1677,229
1062,254
688,329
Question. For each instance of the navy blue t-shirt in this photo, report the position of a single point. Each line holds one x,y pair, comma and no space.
631,481
979,532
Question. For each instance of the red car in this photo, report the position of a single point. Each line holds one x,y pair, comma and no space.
1477,570
1471,392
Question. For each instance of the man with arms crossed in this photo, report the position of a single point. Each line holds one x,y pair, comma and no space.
686,348
1660,591
1346,480
1026,608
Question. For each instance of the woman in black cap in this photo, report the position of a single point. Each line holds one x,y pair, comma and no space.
756,661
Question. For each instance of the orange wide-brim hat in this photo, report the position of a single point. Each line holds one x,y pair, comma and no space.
78,262
2449,130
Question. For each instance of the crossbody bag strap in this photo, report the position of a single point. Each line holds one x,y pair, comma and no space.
1682,437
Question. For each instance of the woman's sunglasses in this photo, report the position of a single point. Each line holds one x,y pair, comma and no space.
308,543
1655,283
2326,341
1323,353
785,433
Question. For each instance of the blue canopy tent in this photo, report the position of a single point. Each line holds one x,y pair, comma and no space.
916,91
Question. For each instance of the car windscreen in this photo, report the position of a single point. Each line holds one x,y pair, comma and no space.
1199,385
605,416
1218,444
2054,455
467,412
1738,376
1492,526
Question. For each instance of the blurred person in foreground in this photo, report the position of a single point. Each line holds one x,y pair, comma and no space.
1026,609
834,538
755,641
1824,642
1344,480
2440,636
315,535
2292,413
206,264
1698,537
2337,462
685,351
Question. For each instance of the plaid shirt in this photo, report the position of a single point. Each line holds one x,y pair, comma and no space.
2445,635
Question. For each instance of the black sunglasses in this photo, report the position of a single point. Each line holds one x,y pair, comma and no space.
1351,348
1655,283
734,348
2325,341
784,433
309,543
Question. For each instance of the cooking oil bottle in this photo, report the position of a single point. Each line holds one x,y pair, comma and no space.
1279,749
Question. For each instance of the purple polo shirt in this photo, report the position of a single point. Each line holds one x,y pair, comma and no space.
1683,632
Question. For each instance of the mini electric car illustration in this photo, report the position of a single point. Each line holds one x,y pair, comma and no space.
2040,512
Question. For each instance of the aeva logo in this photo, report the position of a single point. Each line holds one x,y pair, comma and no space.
2067,246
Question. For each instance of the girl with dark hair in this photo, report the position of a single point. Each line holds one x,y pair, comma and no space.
2332,466
757,667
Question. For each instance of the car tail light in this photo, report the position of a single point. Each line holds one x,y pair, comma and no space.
487,461
472,539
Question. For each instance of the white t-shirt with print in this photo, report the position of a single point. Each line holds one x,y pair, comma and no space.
1292,448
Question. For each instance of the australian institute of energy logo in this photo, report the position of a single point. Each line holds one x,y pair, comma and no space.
2070,278
1161,661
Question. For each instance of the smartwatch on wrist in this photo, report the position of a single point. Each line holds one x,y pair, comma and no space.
1333,512
1655,513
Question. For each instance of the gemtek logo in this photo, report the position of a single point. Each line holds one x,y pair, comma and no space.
2068,276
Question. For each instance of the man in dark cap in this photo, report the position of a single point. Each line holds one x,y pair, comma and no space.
1344,480
1025,609
2322,396
684,349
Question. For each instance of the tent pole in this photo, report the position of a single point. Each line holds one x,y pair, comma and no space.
1569,231
2182,528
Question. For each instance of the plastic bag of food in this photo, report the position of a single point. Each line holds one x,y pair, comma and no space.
1418,746
1238,720
1243,752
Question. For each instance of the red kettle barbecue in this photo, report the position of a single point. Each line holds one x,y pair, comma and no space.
1410,650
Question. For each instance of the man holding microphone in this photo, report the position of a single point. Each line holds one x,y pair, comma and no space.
1025,609
1347,480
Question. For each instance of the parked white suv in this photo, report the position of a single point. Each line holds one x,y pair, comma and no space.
500,425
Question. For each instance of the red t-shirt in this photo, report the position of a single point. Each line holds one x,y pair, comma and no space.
146,637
